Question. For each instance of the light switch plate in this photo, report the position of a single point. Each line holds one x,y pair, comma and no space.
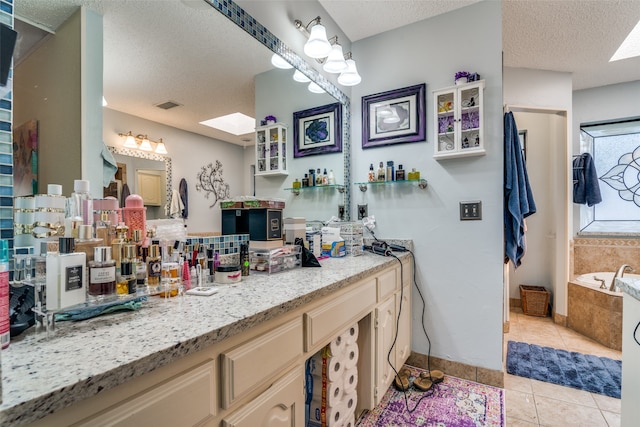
363,212
470,210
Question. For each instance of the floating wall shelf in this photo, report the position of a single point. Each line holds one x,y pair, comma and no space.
422,183
297,191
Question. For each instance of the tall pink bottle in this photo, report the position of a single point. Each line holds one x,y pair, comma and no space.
134,215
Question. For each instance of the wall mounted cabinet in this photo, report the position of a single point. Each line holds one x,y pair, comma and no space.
458,121
271,150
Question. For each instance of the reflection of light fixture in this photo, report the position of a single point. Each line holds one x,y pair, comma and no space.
335,62
328,52
104,102
317,45
393,118
313,87
278,61
299,77
350,77
143,143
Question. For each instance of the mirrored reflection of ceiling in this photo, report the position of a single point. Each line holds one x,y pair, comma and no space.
157,51
631,126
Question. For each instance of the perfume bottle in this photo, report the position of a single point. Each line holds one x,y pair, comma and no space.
103,228
154,268
102,274
400,174
332,178
65,278
305,180
318,177
312,177
126,280
244,259
117,244
325,177
81,203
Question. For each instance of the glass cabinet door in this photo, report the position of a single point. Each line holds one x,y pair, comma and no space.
271,150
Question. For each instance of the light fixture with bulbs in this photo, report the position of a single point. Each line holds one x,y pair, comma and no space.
142,142
328,52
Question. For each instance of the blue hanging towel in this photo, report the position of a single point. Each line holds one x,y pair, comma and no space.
518,197
184,195
585,181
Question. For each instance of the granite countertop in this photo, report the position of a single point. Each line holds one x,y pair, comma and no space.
42,376
629,285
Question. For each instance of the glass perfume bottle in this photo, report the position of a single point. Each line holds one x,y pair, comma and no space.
381,172
102,274
65,278
372,173
154,268
127,279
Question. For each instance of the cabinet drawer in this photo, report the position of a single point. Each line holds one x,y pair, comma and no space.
250,364
386,284
323,322
192,392
282,405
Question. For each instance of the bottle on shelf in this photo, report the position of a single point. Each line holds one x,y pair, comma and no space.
296,184
305,180
332,178
400,174
126,280
65,278
381,173
154,268
390,170
318,177
325,177
372,173
312,177
414,175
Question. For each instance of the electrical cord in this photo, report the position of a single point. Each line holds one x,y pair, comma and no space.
634,333
429,392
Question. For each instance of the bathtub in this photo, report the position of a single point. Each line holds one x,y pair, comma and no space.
594,312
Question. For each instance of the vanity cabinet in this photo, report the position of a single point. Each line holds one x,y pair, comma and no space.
458,121
256,376
271,150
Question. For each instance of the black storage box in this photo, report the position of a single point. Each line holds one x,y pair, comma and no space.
258,223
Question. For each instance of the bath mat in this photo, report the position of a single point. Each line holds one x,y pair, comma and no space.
453,402
582,371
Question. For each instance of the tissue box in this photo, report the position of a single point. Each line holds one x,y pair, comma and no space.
334,249
294,228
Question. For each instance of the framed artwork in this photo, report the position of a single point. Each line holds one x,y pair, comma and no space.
25,159
317,130
394,117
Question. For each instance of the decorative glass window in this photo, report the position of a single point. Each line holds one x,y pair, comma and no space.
615,148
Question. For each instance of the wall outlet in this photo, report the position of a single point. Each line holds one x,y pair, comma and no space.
363,212
470,210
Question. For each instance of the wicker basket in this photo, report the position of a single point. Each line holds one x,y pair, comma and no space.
535,300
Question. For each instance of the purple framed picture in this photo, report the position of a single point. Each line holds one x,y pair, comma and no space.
394,117
317,130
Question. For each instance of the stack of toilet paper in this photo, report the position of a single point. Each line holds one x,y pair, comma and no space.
334,373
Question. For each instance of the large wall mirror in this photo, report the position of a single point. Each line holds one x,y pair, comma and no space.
184,30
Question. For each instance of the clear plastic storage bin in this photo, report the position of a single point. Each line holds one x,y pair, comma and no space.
275,260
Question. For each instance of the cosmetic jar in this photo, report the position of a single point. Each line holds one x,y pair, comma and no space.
228,274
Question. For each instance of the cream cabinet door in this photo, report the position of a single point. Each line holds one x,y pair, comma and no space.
385,316
403,343
150,187
282,405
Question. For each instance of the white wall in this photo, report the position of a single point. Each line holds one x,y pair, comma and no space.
189,152
549,92
459,264
279,95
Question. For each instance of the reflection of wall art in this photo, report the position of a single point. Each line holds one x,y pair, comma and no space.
394,117
25,159
317,130
211,182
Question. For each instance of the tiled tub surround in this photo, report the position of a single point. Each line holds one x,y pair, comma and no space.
604,254
595,313
85,358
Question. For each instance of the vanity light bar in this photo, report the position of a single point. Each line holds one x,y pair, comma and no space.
141,142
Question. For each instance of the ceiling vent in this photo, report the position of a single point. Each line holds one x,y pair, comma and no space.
168,105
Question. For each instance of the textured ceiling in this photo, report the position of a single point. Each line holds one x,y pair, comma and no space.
185,51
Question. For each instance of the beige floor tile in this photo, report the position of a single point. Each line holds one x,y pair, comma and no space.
520,406
513,382
566,394
514,422
613,419
606,403
554,413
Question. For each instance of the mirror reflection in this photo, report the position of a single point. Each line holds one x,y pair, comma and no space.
185,55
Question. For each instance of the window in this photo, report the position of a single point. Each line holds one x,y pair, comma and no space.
615,148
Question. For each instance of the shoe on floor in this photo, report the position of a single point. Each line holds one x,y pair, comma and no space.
422,382
401,381
435,376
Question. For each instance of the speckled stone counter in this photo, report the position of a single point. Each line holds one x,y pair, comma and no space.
84,358
630,286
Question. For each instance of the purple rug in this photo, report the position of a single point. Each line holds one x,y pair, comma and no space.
453,403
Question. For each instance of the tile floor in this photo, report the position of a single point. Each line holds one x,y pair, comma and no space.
535,403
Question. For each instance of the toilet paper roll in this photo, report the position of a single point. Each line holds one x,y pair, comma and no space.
334,394
337,346
350,401
350,420
334,415
335,366
351,355
350,335
350,380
